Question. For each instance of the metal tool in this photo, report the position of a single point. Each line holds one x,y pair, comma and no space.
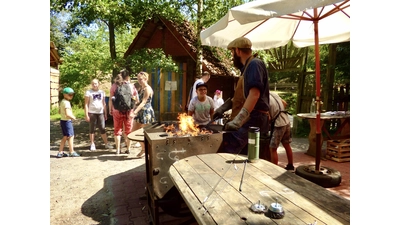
275,211
258,207
213,189
241,180
223,187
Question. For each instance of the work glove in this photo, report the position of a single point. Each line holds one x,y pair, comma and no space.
219,113
239,120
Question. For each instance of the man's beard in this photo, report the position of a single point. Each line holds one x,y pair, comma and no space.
236,62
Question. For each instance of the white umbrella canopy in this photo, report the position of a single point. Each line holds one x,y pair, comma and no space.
273,23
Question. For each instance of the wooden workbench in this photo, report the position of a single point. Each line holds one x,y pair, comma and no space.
303,201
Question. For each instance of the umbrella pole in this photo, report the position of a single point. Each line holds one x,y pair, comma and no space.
317,97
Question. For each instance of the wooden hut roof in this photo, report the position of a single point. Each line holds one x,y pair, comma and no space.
54,57
177,40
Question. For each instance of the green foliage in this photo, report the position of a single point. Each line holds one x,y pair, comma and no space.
79,113
55,117
303,127
342,67
291,100
263,55
118,14
54,111
213,10
87,57
150,58
342,71
58,27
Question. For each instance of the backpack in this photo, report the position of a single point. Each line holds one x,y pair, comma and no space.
123,98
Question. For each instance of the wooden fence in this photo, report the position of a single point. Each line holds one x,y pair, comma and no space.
169,92
336,99
283,86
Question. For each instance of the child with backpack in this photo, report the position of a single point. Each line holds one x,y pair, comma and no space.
120,107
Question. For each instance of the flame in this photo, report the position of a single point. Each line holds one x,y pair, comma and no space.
187,127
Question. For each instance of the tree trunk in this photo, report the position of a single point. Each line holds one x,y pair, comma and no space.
330,78
199,60
113,53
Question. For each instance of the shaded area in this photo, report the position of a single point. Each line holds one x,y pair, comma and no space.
329,202
118,201
299,146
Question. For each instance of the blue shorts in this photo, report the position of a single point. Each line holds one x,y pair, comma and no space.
67,128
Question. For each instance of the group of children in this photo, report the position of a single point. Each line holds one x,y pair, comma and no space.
96,114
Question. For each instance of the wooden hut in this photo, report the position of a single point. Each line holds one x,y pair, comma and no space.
171,90
54,75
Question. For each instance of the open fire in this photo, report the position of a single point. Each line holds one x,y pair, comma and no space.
166,144
186,127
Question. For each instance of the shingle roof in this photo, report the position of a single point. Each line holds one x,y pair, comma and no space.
183,36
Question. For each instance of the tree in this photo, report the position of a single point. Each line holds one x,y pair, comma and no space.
86,57
342,64
115,15
150,58
203,14
116,23
58,27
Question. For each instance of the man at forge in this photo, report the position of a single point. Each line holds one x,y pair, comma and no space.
250,103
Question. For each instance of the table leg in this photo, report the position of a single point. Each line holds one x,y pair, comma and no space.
312,146
344,129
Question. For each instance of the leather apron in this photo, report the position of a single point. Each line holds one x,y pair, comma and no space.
238,97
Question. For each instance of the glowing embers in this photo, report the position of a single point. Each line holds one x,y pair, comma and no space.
186,127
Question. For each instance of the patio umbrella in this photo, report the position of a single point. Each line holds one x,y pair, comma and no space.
273,23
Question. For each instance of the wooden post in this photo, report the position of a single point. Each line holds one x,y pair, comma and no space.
330,77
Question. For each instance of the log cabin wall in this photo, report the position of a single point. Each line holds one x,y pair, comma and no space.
54,76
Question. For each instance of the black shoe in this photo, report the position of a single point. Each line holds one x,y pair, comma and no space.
289,167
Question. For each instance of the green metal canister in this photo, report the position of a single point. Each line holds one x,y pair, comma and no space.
253,149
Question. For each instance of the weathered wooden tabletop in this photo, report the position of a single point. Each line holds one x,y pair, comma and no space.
198,177
137,135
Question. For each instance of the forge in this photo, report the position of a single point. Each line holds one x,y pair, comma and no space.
162,149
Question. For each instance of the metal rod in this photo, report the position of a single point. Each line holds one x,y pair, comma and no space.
241,180
223,187
212,190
